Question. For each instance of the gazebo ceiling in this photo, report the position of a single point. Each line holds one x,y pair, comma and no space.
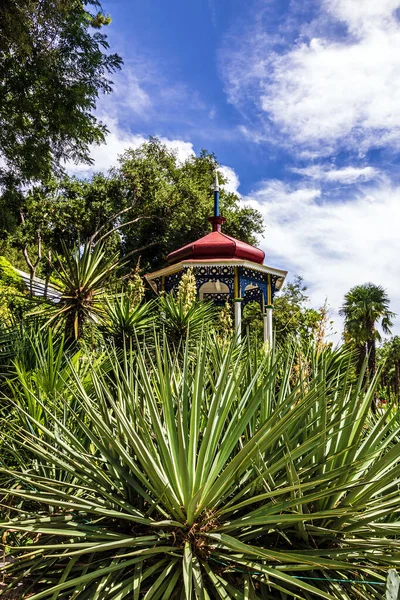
217,245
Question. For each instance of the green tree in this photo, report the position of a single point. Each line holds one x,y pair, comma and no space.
292,316
150,203
58,214
176,199
53,65
364,306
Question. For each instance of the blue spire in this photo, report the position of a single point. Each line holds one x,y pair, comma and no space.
216,195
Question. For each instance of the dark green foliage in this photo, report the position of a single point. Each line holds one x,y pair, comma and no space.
292,317
53,65
177,201
252,323
292,314
388,358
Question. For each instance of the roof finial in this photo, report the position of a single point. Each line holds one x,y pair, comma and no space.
216,220
216,186
216,195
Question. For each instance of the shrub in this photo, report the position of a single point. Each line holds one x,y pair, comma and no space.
124,321
13,293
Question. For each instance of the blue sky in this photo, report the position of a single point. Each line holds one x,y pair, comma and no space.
299,100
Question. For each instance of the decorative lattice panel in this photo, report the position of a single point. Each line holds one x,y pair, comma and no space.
274,279
172,281
224,274
253,295
250,277
218,299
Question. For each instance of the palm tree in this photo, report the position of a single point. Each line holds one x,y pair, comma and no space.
364,306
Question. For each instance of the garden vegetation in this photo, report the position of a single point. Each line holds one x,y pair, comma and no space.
146,453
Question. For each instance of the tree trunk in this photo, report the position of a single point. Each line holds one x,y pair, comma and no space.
32,266
72,333
371,347
361,358
46,286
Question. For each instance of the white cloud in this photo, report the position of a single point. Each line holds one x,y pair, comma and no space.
143,91
118,140
333,245
362,16
345,175
232,184
129,93
325,90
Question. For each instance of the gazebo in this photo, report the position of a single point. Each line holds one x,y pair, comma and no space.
225,269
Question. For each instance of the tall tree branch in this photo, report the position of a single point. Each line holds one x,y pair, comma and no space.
103,237
109,220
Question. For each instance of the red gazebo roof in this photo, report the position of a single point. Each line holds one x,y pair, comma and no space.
217,245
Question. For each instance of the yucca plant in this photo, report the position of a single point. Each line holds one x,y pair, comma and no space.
10,338
221,475
15,340
49,382
185,321
83,276
20,343
41,376
123,321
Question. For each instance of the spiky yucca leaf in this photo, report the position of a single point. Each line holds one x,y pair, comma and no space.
180,320
222,475
123,321
83,277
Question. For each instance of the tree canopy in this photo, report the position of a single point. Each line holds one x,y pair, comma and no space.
388,356
53,65
149,205
176,200
293,316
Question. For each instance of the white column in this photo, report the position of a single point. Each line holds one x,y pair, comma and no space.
268,331
238,318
